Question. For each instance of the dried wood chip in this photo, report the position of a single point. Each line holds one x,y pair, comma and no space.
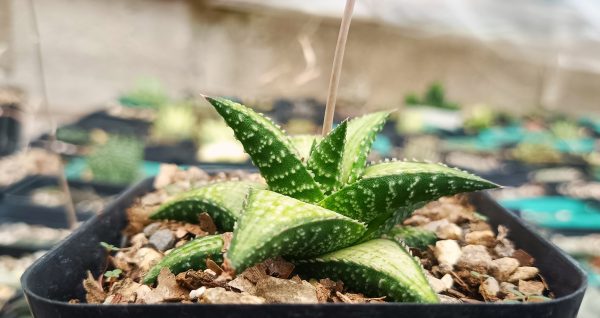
524,258
94,292
206,223
343,298
323,293
192,279
126,289
168,288
226,237
278,267
243,285
210,264
255,273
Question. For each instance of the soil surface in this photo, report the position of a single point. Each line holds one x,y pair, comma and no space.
470,262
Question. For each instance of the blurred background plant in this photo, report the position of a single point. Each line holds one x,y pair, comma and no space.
117,161
147,93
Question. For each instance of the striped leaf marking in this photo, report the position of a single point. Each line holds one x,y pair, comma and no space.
223,201
387,187
270,149
326,159
377,267
191,255
359,138
277,225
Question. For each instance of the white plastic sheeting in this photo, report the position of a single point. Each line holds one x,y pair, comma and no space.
565,32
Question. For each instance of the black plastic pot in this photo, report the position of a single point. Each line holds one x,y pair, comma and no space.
56,278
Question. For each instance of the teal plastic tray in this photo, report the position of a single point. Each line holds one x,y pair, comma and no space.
556,212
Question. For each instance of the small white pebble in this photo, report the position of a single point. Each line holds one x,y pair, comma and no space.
197,293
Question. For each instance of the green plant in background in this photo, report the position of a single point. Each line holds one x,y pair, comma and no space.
174,122
148,93
536,153
480,117
435,96
117,161
326,212
565,130
73,135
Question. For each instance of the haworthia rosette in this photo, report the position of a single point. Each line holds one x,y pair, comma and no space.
377,268
277,225
359,139
326,159
270,149
304,144
223,201
386,187
191,255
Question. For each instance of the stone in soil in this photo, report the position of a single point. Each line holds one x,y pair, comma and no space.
531,287
485,238
162,240
151,229
523,273
277,290
146,257
449,231
474,258
219,295
503,267
447,252
489,289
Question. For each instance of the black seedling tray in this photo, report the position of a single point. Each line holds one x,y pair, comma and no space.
57,277
181,153
16,206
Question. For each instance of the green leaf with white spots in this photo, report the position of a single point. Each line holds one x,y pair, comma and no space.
271,151
359,139
377,268
414,237
223,201
387,187
191,255
326,159
277,225
304,144
384,222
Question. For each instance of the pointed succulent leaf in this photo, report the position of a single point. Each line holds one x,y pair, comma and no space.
270,149
387,187
277,225
326,159
191,255
377,268
359,139
223,201
304,144
384,222
412,236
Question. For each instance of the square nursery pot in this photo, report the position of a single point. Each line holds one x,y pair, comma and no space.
57,277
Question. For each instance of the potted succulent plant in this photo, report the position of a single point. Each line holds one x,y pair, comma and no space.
324,210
